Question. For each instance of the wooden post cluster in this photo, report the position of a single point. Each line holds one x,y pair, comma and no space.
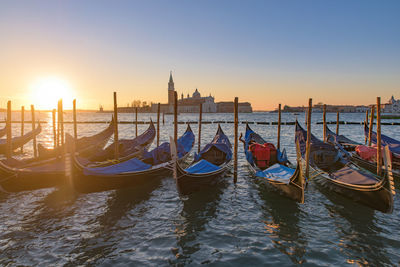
337,123
308,144
116,144
158,124
200,119
278,143
22,125
324,122
9,132
163,118
176,118
378,137
235,148
371,125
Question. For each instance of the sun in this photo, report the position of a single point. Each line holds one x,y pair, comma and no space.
47,91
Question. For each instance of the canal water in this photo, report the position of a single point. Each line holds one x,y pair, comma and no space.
233,224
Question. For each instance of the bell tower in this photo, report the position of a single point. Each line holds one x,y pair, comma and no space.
171,89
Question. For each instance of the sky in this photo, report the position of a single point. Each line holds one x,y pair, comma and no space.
264,52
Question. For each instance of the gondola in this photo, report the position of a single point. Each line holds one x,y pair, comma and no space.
127,147
286,180
17,142
363,163
132,172
336,172
86,146
36,173
211,162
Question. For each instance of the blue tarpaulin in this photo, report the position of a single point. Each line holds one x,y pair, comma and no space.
131,165
202,166
277,172
162,153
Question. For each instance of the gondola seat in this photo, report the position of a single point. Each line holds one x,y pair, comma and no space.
351,176
214,155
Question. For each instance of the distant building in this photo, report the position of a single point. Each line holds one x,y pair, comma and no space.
229,107
393,106
192,104
329,108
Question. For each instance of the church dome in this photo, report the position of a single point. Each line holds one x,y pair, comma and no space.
196,94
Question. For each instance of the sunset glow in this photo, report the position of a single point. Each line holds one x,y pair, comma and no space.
45,92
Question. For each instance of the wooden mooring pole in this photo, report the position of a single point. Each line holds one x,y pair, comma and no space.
22,125
116,144
9,131
365,124
200,119
158,124
136,111
58,123
306,116
308,144
235,148
324,122
54,127
278,142
176,118
74,118
337,123
378,137
62,122
371,125
33,129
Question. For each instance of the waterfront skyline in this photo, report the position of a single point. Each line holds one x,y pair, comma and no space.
263,52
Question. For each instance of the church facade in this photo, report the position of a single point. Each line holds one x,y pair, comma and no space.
191,104
393,106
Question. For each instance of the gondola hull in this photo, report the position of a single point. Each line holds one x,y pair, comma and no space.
44,173
292,190
332,168
90,183
371,166
113,176
377,196
16,180
95,183
190,182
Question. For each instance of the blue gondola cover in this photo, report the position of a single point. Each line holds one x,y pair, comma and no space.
162,153
277,172
126,166
202,166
